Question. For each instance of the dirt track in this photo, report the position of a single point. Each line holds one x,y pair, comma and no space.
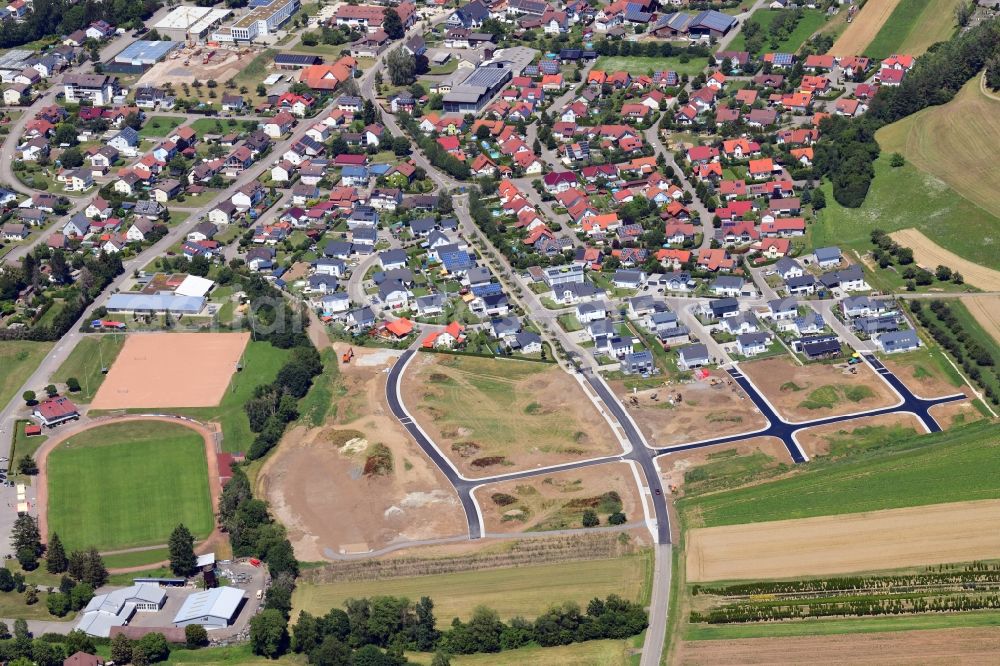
986,310
896,538
64,433
863,28
942,646
171,370
930,255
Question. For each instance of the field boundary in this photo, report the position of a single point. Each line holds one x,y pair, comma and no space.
214,483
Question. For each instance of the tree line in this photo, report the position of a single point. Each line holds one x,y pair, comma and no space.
61,17
847,148
379,630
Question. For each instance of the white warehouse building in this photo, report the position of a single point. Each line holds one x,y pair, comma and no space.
191,24
212,609
263,19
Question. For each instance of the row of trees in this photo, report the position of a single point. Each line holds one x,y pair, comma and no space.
275,405
847,148
46,650
366,627
61,17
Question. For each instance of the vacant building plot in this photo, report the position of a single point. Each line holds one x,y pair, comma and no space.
188,64
986,310
804,393
378,487
492,416
712,407
127,484
525,591
943,646
915,536
171,370
930,255
558,501
849,437
863,28
723,466
954,142
925,371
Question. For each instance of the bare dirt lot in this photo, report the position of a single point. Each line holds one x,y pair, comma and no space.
358,483
223,66
986,310
942,646
859,432
921,372
863,28
955,413
721,466
494,416
930,255
557,501
704,410
171,370
933,534
803,393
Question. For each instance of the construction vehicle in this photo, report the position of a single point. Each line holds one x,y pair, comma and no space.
653,397
348,355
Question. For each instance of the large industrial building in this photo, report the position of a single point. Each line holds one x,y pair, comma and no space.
140,56
212,609
191,24
264,17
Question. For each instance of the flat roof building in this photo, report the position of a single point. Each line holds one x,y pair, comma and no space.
478,88
212,609
155,304
191,24
263,19
145,53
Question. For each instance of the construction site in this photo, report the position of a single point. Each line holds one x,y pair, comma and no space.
212,62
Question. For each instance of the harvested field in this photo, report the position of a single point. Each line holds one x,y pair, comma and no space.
914,536
171,370
943,646
704,410
925,371
838,439
492,416
723,466
377,487
957,413
930,255
986,310
863,28
954,142
557,501
802,393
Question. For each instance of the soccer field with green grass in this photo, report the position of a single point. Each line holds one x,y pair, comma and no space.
128,484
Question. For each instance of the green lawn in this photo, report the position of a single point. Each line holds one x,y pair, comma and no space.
590,653
318,402
912,27
24,445
261,365
812,20
19,359
647,65
957,465
527,591
215,126
139,558
906,197
160,126
85,363
128,484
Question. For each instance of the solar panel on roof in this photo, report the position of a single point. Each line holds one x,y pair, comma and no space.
783,59
531,70
549,67
296,59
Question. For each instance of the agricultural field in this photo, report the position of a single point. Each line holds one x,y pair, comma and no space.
558,501
803,393
845,544
986,311
128,484
707,408
527,590
19,359
649,64
499,415
900,647
954,466
862,30
812,20
904,198
913,26
85,362
954,142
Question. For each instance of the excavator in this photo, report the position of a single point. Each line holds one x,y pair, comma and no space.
348,355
